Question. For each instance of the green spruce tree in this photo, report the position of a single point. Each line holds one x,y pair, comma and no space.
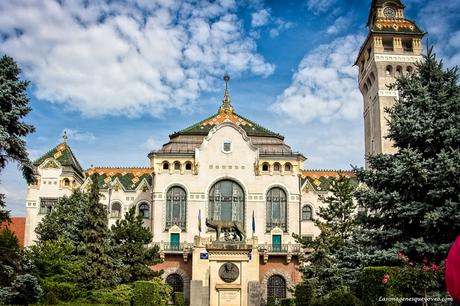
130,239
412,197
98,269
66,220
14,105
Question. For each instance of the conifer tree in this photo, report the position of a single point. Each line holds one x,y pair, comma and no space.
129,239
99,267
412,197
66,220
14,105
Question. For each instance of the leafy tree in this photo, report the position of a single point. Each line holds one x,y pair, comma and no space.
98,266
14,105
412,197
66,219
129,238
25,290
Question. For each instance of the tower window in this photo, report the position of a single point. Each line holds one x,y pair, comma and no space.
165,166
276,167
387,44
188,166
398,71
409,69
66,182
389,71
287,167
265,167
407,45
227,146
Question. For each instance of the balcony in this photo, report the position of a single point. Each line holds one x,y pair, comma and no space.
184,249
287,250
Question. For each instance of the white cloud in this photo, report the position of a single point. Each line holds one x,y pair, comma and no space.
260,18
339,25
150,144
78,135
127,57
280,25
320,6
324,86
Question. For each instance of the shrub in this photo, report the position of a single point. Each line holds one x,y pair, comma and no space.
179,299
151,293
25,290
120,295
304,294
379,282
59,291
287,302
271,301
339,297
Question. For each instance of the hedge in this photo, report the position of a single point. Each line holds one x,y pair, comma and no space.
339,297
151,293
179,299
373,287
304,294
288,302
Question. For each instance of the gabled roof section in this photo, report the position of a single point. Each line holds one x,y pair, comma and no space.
129,178
320,180
203,127
64,155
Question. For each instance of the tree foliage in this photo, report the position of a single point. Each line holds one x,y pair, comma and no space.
66,219
14,105
10,257
129,240
98,269
412,197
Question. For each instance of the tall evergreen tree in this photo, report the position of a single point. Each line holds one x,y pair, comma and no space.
129,239
66,220
14,105
336,220
98,270
412,197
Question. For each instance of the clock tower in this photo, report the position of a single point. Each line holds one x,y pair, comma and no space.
392,47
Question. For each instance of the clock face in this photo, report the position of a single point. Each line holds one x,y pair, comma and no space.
389,12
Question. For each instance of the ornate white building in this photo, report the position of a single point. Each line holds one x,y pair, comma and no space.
226,167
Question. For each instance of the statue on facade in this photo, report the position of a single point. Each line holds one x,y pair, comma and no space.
234,228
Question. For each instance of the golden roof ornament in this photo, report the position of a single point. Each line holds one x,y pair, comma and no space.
226,106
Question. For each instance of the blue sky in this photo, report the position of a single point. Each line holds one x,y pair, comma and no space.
121,76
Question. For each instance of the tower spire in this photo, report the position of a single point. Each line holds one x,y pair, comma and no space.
226,106
64,136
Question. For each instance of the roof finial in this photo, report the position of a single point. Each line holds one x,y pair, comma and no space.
226,106
64,136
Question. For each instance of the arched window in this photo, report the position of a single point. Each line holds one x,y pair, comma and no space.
66,182
176,200
176,166
265,167
165,166
188,166
176,282
144,210
389,71
409,69
307,213
287,167
398,71
276,167
276,287
115,211
276,209
226,202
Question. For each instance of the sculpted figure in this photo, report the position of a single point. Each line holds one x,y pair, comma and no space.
227,226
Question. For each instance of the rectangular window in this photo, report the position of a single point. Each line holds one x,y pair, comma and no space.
407,45
227,147
46,205
387,44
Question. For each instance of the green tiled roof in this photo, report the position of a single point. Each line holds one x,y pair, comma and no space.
251,129
129,178
64,155
321,182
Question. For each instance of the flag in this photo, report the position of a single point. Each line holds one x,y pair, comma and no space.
199,221
253,223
